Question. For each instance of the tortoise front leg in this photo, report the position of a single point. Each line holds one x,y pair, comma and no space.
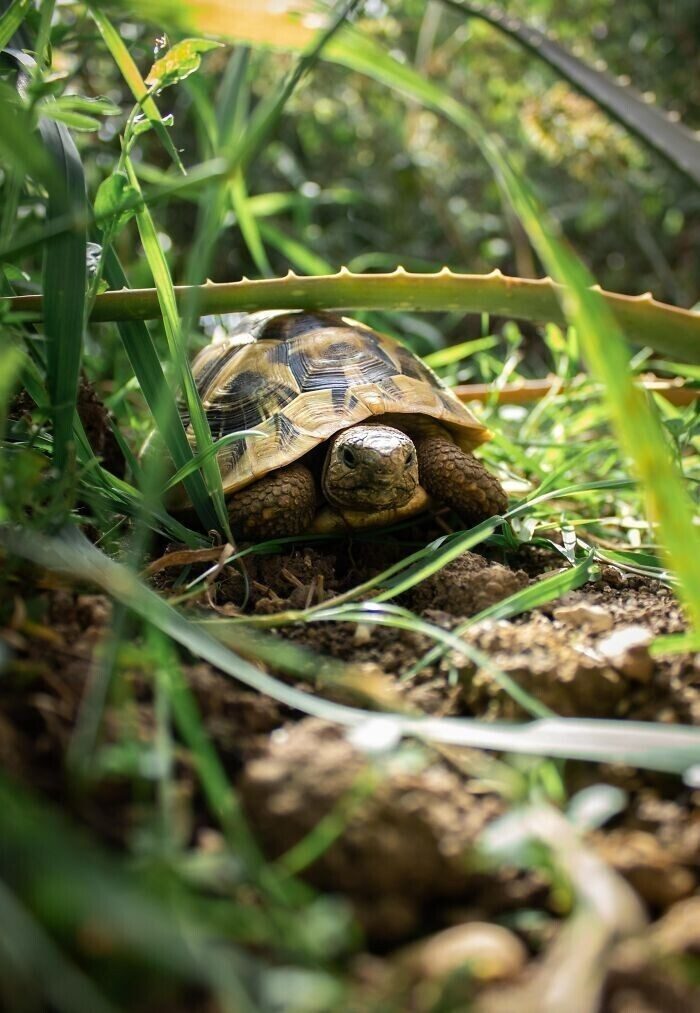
282,503
458,479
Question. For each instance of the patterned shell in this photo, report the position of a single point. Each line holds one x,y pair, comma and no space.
300,377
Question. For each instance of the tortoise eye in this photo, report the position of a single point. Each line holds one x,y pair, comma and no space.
349,457
410,458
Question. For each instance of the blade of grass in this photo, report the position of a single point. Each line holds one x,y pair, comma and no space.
456,353
132,76
221,797
643,744
231,114
25,945
525,600
171,320
148,370
65,284
395,580
71,884
198,460
12,19
401,619
294,251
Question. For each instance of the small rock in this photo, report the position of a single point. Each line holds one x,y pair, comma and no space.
594,617
488,951
627,650
363,634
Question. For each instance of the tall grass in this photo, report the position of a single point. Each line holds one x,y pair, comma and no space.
172,910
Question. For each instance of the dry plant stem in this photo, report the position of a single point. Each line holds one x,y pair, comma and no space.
645,321
676,392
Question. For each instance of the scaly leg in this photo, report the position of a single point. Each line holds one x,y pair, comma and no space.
281,503
458,479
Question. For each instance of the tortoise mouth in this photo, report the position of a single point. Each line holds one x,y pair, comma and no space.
376,496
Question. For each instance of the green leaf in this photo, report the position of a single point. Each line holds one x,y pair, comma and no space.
179,62
131,74
77,121
92,106
112,193
142,124
19,145
64,283
149,372
12,19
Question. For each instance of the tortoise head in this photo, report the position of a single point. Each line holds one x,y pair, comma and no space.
370,467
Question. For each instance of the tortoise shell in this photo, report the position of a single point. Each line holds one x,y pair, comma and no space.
298,378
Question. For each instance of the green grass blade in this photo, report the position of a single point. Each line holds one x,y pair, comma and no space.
643,744
220,795
132,76
149,372
294,251
533,596
171,321
396,579
429,563
456,353
248,224
25,945
64,283
12,19
199,459
231,114
71,884
401,619
674,142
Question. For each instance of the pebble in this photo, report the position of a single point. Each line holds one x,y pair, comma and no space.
595,618
490,952
363,634
627,650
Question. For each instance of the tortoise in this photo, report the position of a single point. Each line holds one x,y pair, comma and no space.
353,429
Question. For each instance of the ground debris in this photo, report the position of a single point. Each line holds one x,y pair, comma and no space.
404,845
466,586
594,618
560,670
489,952
627,650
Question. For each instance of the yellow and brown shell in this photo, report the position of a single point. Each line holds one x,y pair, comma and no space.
298,378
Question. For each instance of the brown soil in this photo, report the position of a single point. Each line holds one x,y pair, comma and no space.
404,849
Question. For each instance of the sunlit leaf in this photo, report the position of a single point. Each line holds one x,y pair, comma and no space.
179,62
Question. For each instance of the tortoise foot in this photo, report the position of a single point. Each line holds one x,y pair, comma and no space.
282,503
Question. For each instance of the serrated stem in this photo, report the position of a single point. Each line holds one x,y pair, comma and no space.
645,321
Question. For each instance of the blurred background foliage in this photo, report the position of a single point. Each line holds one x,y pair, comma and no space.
362,178
354,175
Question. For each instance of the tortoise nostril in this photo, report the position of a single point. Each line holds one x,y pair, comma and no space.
348,457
